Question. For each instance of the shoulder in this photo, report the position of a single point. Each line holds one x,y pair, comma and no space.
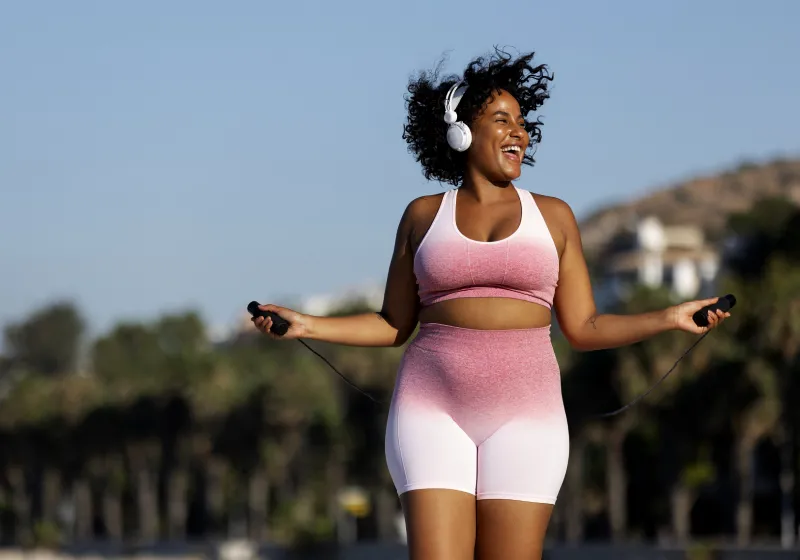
554,206
422,209
423,206
555,210
419,215
559,218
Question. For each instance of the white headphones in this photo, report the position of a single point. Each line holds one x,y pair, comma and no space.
459,136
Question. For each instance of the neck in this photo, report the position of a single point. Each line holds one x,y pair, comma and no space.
483,189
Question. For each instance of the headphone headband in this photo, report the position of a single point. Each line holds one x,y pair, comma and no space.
459,137
451,101
454,96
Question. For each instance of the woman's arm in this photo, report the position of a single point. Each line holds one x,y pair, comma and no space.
392,326
577,315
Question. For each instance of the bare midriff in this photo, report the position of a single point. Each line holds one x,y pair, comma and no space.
487,314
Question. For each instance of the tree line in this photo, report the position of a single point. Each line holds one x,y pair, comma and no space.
152,432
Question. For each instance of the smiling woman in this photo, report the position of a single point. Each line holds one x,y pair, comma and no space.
477,441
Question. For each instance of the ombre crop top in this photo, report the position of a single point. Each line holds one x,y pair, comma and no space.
524,266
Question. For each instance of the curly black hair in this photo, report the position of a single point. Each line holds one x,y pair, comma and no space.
425,130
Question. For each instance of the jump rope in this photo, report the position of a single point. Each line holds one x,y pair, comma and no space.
700,318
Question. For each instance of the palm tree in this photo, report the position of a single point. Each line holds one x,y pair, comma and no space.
770,329
638,366
687,422
765,271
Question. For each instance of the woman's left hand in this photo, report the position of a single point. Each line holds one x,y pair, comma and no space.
681,316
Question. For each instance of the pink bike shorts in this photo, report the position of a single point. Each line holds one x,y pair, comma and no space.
479,411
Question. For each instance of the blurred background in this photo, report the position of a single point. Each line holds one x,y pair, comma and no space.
164,163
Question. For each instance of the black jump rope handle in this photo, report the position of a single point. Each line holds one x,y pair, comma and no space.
725,303
279,324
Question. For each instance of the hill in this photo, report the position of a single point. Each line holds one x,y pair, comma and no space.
704,201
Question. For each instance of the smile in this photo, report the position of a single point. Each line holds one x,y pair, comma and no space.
514,153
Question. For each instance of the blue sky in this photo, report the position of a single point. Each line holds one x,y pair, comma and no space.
156,156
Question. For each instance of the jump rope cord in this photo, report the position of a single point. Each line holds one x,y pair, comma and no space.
654,385
604,415
353,385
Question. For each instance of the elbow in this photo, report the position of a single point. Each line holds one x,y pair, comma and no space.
583,336
402,335
579,343
401,338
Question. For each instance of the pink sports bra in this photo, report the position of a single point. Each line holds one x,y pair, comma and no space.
523,266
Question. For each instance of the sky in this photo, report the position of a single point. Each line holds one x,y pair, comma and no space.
162,156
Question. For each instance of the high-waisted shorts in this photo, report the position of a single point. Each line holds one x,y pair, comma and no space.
479,411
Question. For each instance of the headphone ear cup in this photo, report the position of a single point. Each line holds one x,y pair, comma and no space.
459,136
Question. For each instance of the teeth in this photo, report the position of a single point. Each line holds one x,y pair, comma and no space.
511,149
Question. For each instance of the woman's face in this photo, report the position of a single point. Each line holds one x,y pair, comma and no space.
499,140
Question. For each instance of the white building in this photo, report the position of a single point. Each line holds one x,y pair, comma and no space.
652,254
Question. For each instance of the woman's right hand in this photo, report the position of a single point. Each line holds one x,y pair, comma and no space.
298,323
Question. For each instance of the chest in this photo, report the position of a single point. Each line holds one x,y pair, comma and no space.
487,223
518,262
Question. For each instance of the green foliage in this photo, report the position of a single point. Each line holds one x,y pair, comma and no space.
770,230
47,342
700,551
699,473
169,354
46,535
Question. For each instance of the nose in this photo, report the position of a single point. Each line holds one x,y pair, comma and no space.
519,132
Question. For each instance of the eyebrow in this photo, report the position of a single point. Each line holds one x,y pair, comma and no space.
504,113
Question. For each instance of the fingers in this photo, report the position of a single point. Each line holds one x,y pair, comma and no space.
265,323
716,317
262,323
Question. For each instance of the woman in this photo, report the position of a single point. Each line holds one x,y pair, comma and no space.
477,440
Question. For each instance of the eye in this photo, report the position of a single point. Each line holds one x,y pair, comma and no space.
501,120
